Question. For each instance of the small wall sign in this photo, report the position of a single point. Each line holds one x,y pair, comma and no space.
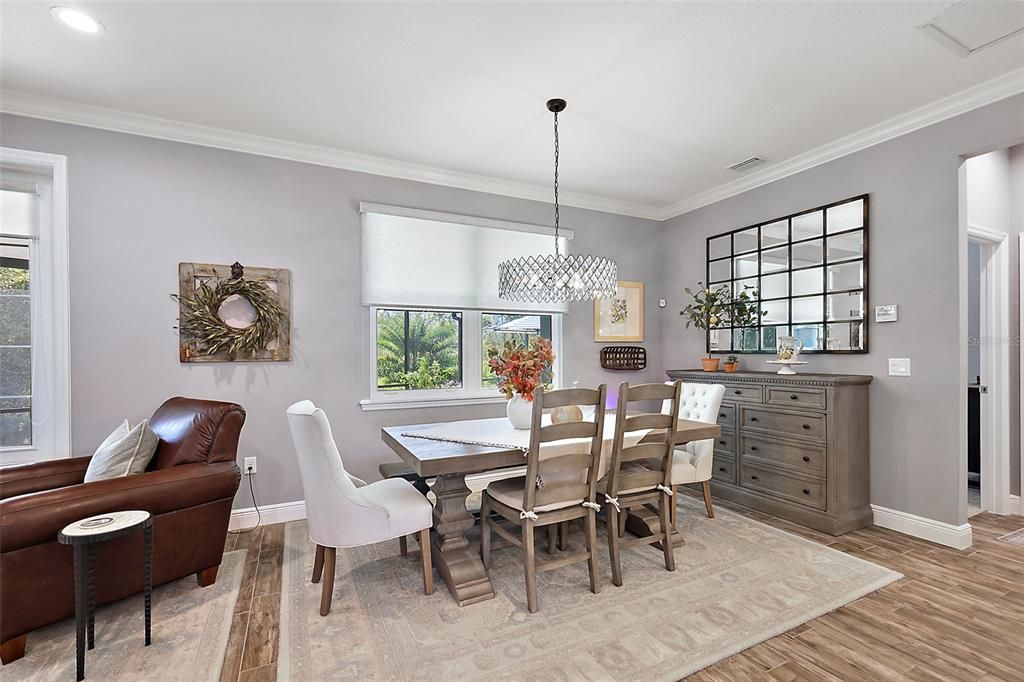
886,313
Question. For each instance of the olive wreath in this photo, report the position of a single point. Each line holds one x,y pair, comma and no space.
200,323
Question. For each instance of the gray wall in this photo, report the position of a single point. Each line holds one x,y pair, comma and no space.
139,206
915,252
1016,307
973,311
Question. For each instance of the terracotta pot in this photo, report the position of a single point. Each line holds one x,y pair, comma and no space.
710,364
730,367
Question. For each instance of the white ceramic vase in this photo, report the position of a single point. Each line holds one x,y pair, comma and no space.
519,411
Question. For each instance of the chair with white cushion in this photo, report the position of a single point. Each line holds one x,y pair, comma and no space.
343,511
692,462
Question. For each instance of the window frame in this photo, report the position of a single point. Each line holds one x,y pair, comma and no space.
472,391
788,271
49,304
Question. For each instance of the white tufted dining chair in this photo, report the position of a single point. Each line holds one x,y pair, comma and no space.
344,511
692,461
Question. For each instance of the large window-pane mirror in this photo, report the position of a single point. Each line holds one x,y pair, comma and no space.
806,274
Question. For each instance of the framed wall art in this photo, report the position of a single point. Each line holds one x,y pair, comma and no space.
620,318
230,313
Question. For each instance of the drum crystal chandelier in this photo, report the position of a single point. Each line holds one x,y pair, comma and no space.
556,277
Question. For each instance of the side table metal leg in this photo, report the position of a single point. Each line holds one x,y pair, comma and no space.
148,580
80,612
90,594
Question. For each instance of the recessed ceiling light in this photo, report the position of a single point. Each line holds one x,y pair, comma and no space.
77,19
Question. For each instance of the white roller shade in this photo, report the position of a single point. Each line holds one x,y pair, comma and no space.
420,259
18,213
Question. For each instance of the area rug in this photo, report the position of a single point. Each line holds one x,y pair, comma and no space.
190,635
1014,538
738,582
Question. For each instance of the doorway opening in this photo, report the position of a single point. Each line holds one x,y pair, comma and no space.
988,358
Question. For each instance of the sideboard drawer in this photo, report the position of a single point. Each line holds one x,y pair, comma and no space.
803,426
724,469
803,491
743,392
727,416
726,444
806,459
798,397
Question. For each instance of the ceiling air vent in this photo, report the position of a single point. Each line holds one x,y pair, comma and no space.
745,164
973,25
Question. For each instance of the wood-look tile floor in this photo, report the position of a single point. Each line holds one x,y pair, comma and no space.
958,615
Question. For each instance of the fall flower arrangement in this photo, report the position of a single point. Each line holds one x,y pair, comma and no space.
521,369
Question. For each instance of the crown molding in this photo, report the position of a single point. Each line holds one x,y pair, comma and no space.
63,111
999,88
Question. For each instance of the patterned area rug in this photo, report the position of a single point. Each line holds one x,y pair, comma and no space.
190,635
1014,538
738,582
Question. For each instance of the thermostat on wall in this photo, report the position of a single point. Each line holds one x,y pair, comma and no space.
886,313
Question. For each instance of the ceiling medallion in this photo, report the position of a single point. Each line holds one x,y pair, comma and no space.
556,277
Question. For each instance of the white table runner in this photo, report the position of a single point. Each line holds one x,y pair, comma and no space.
499,433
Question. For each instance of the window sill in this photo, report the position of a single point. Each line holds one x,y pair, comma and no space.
375,404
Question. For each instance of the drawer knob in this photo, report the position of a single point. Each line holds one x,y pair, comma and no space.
794,397
737,392
722,442
722,416
753,419
806,458
807,426
753,448
753,478
806,491
722,469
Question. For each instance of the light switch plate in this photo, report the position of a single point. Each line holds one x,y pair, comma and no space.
899,367
886,313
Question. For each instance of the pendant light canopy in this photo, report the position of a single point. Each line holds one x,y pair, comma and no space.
557,277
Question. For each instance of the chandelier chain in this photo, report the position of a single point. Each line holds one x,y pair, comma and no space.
556,183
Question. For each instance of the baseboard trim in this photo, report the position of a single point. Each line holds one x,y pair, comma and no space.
270,513
1016,503
957,537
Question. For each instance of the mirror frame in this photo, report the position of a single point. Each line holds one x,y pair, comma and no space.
788,270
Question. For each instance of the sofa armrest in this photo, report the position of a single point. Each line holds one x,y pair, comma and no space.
38,517
32,478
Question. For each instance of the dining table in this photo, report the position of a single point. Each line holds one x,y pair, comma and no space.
449,451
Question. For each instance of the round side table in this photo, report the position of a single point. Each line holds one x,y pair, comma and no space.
83,536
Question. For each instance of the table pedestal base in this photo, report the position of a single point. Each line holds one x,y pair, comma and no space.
644,521
461,567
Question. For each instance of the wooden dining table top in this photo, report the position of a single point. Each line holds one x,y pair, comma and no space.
437,458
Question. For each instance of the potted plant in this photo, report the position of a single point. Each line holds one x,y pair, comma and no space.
520,370
707,311
730,364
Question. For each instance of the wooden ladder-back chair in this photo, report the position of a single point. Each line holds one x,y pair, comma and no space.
558,488
641,474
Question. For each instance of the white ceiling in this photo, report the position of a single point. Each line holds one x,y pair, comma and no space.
662,97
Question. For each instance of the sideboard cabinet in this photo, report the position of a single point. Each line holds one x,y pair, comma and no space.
793,446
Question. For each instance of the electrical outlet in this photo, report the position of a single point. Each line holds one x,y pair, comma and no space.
250,465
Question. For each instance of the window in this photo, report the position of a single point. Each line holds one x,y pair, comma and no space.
807,274
429,355
499,328
418,350
15,344
429,282
34,347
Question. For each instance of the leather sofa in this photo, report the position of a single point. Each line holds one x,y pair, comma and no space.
188,488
